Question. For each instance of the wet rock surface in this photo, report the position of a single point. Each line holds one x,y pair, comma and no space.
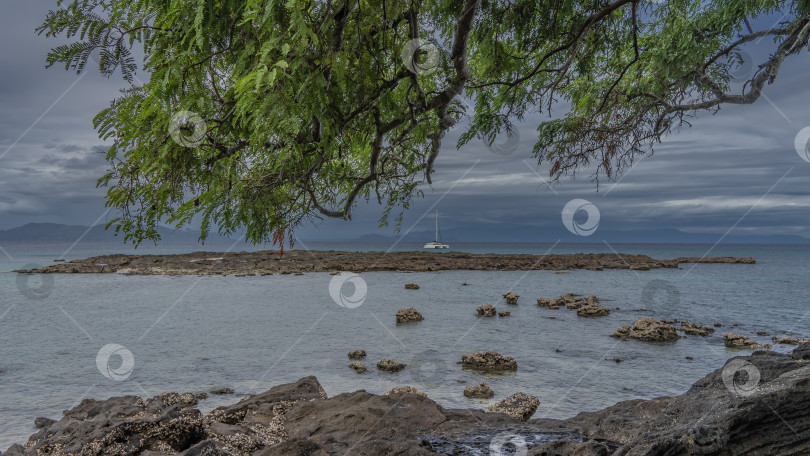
405,390
715,417
358,367
504,313
648,330
480,391
511,298
357,354
389,365
486,310
408,315
519,406
789,340
695,329
592,308
739,341
269,262
488,361
411,286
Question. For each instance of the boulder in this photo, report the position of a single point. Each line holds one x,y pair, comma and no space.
511,298
695,329
593,309
221,391
408,315
358,367
648,330
486,310
519,406
739,341
411,286
482,391
389,365
488,361
789,340
504,313
42,422
548,303
357,354
405,390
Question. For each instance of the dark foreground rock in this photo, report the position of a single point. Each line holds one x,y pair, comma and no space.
766,411
269,262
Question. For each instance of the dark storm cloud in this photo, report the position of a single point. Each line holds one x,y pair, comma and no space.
702,179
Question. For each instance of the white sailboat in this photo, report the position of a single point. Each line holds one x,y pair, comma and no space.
437,244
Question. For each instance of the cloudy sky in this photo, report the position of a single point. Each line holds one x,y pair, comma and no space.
737,167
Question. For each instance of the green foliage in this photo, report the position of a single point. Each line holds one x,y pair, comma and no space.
301,109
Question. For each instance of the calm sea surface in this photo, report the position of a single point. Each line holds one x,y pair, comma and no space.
251,333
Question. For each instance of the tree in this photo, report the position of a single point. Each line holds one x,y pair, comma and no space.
262,114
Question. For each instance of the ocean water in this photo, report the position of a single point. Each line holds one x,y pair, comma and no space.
68,337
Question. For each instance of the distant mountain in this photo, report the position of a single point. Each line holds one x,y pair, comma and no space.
529,234
59,232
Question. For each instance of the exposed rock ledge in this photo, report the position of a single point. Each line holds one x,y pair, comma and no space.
269,262
723,413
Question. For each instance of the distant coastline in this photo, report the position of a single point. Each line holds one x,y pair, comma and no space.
268,262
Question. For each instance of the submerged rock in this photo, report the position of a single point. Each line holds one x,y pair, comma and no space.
389,365
739,341
486,310
488,361
408,315
648,330
222,391
405,390
482,391
592,308
695,329
358,367
504,313
411,286
357,354
511,298
519,406
789,340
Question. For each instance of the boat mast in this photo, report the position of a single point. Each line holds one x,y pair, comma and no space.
437,226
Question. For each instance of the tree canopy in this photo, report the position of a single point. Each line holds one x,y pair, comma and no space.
258,115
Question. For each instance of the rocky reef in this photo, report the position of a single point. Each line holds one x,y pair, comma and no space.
648,330
300,261
486,310
408,315
739,341
754,405
488,362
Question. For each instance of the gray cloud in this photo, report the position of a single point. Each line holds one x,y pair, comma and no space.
702,179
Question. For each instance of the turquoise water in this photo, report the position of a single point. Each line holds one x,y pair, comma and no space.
251,333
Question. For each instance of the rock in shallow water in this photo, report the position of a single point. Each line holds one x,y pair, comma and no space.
358,367
739,341
486,310
519,406
389,365
488,361
408,315
482,391
648,330
357,354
